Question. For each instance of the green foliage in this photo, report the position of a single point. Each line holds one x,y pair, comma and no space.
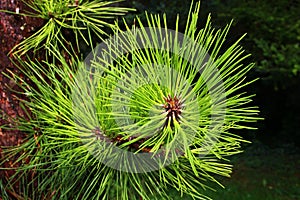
273,36
188,100
273,29
64,17
4,194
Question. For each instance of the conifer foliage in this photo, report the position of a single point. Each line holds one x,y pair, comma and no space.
148,109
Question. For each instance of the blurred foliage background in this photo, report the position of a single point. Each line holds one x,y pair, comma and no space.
273,39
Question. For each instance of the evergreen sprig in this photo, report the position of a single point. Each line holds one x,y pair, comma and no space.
60,17
132,122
